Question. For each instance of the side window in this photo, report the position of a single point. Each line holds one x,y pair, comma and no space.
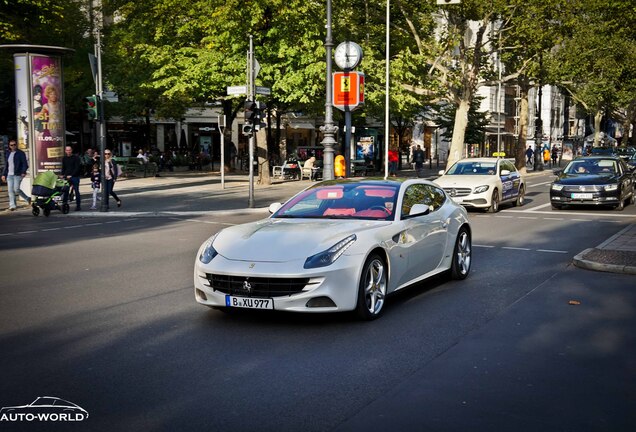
422,194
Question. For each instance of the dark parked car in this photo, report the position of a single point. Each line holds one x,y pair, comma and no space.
604,151
595,180
632,161
626,152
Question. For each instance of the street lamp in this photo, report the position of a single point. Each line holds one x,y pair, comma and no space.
328,130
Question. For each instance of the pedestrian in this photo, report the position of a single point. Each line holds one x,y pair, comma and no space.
418,158
529,156
14,171
393,162
142,158
96,181
71,171
546,156
110,176
555,155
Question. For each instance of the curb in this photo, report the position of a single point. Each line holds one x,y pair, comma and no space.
580,261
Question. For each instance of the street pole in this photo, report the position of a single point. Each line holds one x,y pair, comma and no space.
538,151
250,96
328,130
387,119
221,123
103,207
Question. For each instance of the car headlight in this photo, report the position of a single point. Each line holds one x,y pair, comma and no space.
329,256
208,252
557,187
480,189
611,187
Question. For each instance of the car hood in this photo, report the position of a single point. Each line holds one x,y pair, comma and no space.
281,240
589,179
465,180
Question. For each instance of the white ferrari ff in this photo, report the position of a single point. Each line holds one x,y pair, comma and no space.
338,245
483,183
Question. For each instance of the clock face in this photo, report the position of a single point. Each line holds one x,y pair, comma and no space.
348,55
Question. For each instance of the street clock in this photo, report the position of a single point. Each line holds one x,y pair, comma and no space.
348,55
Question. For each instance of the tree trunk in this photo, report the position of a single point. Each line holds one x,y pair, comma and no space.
524,106
597,128
262,157
456,151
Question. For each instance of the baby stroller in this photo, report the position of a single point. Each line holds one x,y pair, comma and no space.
47,193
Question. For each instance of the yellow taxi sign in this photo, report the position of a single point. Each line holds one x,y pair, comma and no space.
499,154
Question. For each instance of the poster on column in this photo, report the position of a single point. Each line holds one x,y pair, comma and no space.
48,112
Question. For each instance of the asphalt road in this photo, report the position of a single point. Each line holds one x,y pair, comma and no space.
100,311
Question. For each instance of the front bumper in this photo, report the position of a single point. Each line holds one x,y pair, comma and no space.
328,289
591,198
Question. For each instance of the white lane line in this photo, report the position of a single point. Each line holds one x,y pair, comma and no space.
6,234
504,216
25,232
551,218
533,209
528,217
552,251
483,246
515,248
565,213
73,226
94,224
52,229
539,184
112,222
581,220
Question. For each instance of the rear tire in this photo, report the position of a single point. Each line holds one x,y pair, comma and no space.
35,211
66,208
521,197
372,288
462,255
47,211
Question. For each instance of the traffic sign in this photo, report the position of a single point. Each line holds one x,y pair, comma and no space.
266,91
237,90
348,90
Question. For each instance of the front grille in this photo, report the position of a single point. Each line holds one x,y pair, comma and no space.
458,192
256,286
583,188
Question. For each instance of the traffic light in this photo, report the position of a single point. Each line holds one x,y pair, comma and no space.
248,129
90,107
259,115
250,111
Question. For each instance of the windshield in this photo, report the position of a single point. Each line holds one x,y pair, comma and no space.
596,167
343,201
473,168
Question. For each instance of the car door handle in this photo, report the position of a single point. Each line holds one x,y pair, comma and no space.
444,224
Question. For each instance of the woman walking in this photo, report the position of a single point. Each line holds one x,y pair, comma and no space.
110,175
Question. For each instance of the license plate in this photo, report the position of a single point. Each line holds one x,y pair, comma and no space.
249,302
582,196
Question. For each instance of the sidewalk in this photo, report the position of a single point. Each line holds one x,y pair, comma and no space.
201,193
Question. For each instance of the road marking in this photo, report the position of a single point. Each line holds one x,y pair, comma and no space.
552,218
73,226
515,248
25,232
483,246
535,208
52,229
566,213
94,224
528,217
6,234
552,251
539,184
504,216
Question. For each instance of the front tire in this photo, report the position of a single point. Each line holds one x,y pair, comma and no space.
372,288
47,211
494,202
462,255
35,211
621,204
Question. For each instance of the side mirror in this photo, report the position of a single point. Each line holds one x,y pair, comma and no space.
441,172
274,207
505,172
419,210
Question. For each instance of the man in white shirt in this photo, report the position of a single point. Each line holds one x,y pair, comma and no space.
13,173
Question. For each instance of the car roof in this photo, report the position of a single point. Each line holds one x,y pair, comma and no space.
597,157
481,159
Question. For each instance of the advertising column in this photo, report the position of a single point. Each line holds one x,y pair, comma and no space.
39,90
